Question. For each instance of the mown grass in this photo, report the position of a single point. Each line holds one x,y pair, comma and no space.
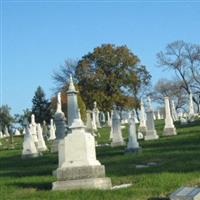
178,159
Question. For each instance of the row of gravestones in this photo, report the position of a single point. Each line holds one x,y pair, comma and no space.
77,163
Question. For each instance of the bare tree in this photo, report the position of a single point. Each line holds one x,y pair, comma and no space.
184,59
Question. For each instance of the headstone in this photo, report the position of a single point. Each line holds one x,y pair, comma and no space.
191,105
96,115
102,118
78,167
151,133
117,139
142,126
52,131
89,125
29,148
108,119
158,115
33,129
174,113
1,134
132,137
6,133
41,143
186,193
94,124
17,133
169,128
60,122
72,104
45,131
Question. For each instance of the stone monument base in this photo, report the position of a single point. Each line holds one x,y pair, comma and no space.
117,144
169,131
90,183
151,135
132,150
84,177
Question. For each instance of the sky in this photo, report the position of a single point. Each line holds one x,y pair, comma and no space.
38,36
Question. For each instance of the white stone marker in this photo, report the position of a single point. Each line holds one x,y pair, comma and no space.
78,167
158,115
33,129
108,119
52,131
191,105
186,193
169,128
96,115
1,134
41,143
17,133
29,148
117,139
174,113
142,126
132,137
60,122
151,133
6,133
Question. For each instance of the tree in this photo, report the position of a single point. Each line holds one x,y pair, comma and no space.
5,117
172,89
111,74
184,59
21,119
41,107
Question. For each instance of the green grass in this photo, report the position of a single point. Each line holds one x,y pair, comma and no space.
178,158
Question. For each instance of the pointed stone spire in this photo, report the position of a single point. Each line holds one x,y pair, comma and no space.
72,105
59,105
169,128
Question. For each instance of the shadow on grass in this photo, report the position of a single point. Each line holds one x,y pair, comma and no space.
37,185
158,198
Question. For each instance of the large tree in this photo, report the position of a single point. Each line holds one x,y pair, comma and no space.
6,118
184,59
111,74
41,106
171,88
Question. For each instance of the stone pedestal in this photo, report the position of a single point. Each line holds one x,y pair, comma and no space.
78,167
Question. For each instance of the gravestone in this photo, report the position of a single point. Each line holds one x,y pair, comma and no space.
186,193
29,148
108,119
117,139
52,135
151,133
6,133
89,125
96,115
132,137
174,113
41,143
142,126
158,115
60,122
17,133
169,128
33,129
78,167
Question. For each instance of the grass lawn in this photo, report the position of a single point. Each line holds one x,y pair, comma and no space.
178,159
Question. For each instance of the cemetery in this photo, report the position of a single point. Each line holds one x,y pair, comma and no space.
96,103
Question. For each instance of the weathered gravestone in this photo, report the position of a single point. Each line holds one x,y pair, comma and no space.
186,193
